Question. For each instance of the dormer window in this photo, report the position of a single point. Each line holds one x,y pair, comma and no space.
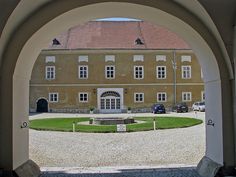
55,42
138,41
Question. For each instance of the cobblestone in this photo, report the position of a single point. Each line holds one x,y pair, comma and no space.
147,172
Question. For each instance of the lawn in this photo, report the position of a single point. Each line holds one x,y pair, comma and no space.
65,124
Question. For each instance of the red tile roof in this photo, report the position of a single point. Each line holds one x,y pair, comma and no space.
119,35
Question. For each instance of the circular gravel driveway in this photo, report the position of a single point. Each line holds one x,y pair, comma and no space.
175,147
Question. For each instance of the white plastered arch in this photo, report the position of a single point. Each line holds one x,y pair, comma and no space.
83,14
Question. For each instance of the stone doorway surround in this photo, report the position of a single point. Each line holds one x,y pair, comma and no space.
119,91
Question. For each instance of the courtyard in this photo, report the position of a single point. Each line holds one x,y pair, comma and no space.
181,147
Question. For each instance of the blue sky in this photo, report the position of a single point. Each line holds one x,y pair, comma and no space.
117,19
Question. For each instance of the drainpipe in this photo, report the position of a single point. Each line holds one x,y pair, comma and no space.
174,65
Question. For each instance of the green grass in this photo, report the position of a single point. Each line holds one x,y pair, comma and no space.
65,124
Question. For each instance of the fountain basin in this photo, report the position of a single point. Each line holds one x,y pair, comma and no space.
111,120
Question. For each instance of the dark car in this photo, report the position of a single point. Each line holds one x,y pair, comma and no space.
158,108
180,107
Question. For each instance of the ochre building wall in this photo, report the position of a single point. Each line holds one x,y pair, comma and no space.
68,85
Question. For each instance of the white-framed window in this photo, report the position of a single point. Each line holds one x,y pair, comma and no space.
110,58
50,59
110,72
138,58
138,97
186,58
203,95
160,57
50,72
186,72
161,72
83,58
83,97
83,71
161,97
53,97
186,96
138,72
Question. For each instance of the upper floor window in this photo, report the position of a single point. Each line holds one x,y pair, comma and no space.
186,96
49,59
110,58
83,97
161,72
186,58
160,57
83,71
138,97
138,58
53,97
83,58
161,97
186,72
110,72
138,72
50,72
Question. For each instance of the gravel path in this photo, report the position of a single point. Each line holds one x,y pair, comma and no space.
185,146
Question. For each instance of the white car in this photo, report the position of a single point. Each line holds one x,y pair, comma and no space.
199,106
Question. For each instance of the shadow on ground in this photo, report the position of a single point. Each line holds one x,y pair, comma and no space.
150,172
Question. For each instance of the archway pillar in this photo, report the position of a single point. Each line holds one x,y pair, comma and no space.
14,132
219,156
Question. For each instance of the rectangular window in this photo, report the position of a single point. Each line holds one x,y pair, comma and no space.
138,97
83,97
138,58
161,72
186,72
53,97
83,72
186,96
50,72
138,72
161,97
110,72
203,95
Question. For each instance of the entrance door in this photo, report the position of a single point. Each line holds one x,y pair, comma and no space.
42,105
110,102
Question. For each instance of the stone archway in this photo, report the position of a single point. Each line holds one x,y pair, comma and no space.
35,32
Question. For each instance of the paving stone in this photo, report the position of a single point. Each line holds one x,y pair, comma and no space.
176,172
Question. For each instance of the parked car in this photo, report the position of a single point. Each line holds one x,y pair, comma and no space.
199,106
180,107
158,108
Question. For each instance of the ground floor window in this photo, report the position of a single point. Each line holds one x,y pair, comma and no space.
186,96
161,97
138,97
83,97
53,97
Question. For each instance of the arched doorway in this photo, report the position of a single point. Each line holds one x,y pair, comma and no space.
59,15
42,105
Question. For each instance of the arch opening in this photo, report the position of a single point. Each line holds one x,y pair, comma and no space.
42,105
213,69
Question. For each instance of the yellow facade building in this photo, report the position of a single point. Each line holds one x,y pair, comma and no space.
111,66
